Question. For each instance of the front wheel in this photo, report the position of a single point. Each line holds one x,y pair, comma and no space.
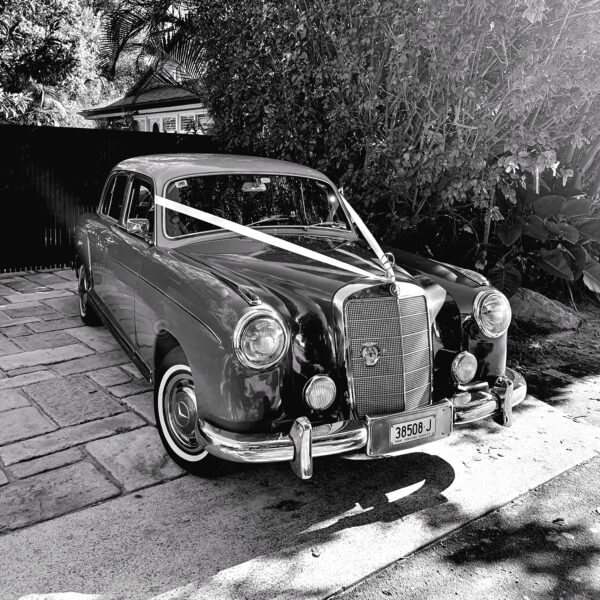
176,412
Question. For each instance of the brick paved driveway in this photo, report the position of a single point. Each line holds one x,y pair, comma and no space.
76,416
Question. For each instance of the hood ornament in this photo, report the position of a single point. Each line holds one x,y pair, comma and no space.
371,353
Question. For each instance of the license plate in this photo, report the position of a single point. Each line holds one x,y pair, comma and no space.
412,430
389,434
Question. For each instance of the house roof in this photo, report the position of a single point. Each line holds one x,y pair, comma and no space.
152,98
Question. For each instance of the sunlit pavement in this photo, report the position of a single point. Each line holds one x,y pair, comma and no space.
76,440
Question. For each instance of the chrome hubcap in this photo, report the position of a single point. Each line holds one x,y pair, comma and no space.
181,412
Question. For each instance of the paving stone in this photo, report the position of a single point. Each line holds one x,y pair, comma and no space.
55,324
64,285
23,370
5,291
53,316
47,463
10,399
44,278
7,347
142,404
13,274
43,341
21,380
109,376
44,357
52,494
68,306
26,309
98,338
131,388
133,370
16,331
6,322
37,296
68,437
91,363
23,423
73,399
66,274
20,284
135,459
3,478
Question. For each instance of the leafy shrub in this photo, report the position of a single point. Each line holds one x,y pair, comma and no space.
431,114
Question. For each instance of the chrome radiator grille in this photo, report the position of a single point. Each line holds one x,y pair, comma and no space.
401,378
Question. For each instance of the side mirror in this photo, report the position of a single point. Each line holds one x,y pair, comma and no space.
138,226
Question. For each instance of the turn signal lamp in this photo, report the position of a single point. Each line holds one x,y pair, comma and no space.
319,392
464,367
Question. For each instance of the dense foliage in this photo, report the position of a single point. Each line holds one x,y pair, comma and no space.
49,53
441,118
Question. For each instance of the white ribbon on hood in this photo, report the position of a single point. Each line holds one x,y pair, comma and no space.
283,244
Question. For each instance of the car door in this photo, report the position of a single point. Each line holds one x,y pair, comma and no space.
130,244
109,215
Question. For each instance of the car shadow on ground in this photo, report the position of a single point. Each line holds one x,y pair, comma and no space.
199,528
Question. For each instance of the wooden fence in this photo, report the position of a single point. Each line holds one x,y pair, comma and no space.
51,175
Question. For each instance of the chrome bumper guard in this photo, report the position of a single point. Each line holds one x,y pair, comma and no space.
306,442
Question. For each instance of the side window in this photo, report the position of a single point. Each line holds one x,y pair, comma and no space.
114,196
142,202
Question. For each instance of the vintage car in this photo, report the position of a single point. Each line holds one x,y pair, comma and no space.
271,323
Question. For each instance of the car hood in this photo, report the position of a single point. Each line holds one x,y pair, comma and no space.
266,270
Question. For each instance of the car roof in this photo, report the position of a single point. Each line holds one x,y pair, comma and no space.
165,167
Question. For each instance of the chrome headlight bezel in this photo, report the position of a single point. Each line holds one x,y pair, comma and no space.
478,306
241,326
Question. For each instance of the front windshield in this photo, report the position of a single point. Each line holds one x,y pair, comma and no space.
254,201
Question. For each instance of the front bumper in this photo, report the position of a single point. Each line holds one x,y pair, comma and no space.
305,442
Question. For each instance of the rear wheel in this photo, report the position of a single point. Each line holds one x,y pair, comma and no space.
86,312
176,412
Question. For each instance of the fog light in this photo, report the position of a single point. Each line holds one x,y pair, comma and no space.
464,367
319,392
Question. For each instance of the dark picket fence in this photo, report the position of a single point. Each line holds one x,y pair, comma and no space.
51,175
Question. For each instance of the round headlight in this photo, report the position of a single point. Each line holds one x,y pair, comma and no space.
464,367
319,392
260,339
492,313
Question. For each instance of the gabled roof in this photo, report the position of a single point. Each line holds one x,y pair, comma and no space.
153,98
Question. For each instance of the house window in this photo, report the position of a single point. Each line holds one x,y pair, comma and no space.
170,124
189,123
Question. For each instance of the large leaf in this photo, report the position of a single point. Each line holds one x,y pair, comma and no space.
555,263
534,227
507,279
548,206
568,232
577,207
590,229
580,259
553,227
509,234
591,275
